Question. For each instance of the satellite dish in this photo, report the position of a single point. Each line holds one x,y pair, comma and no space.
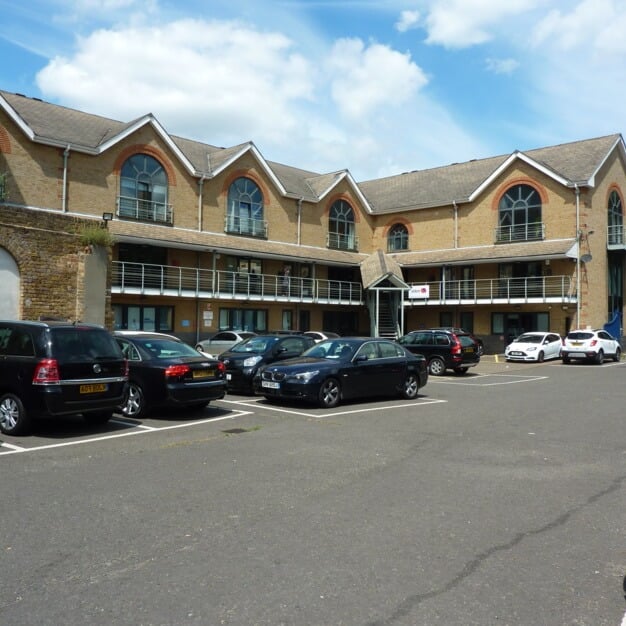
585,258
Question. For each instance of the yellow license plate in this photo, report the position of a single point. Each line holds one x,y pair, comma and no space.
99,388
202,373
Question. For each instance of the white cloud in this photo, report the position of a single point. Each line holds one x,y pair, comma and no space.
367,78
501,66
463,23
408,20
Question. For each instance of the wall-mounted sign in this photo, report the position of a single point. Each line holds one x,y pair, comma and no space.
419,291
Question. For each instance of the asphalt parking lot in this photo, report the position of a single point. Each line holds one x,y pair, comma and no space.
494,498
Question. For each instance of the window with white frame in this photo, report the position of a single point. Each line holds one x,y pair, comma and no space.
397,238
143,190
341,231
519,215
244,215
615,219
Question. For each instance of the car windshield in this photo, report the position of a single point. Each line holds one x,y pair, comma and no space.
256,345
529,339
580,336
167,348
331,349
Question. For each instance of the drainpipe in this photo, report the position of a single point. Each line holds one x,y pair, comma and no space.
456,224
66,154
299,218
200,187
578,298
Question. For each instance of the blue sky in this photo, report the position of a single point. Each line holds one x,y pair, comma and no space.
373,86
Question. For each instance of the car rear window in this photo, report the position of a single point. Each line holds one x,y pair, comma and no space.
578,336
167,348
83,343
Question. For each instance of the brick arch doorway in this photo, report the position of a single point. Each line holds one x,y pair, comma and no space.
9,286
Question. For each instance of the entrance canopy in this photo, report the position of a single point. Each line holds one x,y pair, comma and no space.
381,271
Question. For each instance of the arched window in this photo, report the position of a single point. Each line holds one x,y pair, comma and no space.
244,214
143,190
616,219
398,238
519,215
341,233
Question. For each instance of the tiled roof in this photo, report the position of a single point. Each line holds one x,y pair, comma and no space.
575,162
555,248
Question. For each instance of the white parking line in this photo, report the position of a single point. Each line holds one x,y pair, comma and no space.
521,379
139,431
273,407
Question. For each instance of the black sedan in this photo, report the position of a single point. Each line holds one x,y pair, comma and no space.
243,360
342,369
166,372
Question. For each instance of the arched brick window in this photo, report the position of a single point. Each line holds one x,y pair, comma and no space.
341,230
143,190
245,214
615,219
519,215
397,238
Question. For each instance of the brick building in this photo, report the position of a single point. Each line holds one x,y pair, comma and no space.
208,237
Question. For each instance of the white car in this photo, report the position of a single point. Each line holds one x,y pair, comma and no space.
590,345
534,346
320,335
222,341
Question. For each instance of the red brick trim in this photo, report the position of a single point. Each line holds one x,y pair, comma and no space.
346,198
253,176
5,141
398,220
502,189
159,155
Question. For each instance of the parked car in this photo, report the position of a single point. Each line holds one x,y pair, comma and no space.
244,359
49,369
320,335
443,349
460,332
534,346
223,340
344,368
166,372
590,345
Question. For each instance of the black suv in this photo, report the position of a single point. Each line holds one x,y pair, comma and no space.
444,349
58,368
243,360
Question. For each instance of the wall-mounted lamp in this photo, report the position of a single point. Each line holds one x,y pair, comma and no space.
106,218
590,232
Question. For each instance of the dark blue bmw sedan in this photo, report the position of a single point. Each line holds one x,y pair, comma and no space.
344,368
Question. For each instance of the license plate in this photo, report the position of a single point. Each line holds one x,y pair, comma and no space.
270,384
202,373
577,343
469,350
99,388
228,376
514,353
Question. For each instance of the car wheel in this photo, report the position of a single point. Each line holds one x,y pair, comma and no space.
98,417
599,357
565,360
540,357
436,366
459,371
135,404
411,387
200,348
618,355
13,417
330,394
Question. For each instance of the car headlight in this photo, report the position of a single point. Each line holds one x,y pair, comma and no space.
251,361
531,349
305,377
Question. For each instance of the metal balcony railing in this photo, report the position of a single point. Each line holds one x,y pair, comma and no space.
170,280
144,210
557,289
245,226
533,231
616,236
342,242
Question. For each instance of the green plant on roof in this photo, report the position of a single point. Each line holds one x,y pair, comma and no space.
95,236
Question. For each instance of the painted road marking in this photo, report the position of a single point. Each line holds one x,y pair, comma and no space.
12,449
